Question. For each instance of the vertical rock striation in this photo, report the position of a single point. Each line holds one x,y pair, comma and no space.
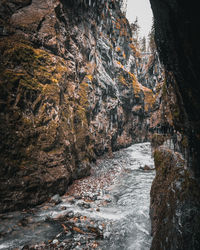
175,201
67,94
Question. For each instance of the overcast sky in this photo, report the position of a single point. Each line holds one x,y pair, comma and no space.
142,10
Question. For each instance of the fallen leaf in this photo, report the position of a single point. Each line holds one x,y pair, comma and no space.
78,230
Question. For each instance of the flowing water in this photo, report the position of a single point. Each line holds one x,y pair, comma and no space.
107,210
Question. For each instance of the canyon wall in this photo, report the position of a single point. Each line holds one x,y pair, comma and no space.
175,200
68,94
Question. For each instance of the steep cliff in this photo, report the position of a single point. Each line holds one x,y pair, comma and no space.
175,202
150,71
67,94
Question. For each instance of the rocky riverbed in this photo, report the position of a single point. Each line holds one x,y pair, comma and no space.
107,210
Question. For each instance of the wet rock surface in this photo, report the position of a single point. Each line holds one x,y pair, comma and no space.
67,92
176,23
174,203
107,210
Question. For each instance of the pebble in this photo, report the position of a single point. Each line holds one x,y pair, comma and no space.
55,241
78,248
70,214
56,199
68,234
78,197
62,244
85,205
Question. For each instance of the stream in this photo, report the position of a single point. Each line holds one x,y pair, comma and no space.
107,210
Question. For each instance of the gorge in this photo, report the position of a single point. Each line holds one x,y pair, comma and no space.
70,93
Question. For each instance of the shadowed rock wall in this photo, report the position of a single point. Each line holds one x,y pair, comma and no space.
175,201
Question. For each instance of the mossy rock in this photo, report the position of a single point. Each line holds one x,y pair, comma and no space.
157,140
175,198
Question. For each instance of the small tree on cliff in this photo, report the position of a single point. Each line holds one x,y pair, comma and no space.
135,31
143,44
151,35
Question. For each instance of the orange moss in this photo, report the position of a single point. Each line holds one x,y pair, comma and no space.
117,25
135,51
120,64
137,87
89,77
124,20
123,32
118,49
90,67
149,98
83,93
122,80
132,47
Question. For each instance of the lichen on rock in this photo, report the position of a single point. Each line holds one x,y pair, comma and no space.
68,94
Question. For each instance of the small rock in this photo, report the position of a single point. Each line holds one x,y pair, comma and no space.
78,248
70,214
68,234
58,235
78,197
84,205
106,235
62,244
26,247
56,199
82,241
94,197
108,200
55,241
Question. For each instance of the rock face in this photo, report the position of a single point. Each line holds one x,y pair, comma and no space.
175,202
150,71
176,23
67,94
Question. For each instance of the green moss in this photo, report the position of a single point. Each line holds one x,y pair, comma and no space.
35,77
10,76
176,114
30,84
170,169
36,63
20,54
163,162
164,88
